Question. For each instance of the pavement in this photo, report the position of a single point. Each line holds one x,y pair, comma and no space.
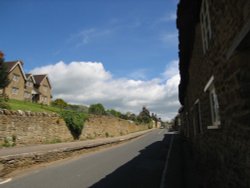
177,171
43,148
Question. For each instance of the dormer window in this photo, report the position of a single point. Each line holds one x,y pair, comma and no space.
205,25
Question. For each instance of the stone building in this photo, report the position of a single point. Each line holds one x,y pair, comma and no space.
27,87
214,53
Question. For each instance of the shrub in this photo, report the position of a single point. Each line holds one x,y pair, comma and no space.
75,122
3,102
59,103
97,109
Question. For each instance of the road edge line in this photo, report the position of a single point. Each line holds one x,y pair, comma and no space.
163,176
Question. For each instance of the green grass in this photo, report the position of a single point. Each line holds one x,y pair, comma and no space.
29,106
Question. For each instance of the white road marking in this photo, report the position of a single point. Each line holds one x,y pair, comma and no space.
5,181
163,177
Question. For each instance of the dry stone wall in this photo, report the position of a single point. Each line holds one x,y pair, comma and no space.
29,128
107,126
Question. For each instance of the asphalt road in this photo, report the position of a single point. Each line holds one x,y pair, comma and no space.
136,164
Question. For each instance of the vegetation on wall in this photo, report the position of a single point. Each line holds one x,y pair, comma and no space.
75,122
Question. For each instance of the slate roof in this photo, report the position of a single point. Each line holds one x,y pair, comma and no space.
40,78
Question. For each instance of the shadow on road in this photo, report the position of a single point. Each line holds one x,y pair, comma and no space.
144,171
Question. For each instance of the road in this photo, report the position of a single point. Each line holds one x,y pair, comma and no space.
138,163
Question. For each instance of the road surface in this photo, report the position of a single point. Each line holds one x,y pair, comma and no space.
136,164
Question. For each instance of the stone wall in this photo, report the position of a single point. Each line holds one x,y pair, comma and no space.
108,126
222,154
28,128
32,128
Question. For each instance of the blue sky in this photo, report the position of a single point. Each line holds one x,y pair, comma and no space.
132,39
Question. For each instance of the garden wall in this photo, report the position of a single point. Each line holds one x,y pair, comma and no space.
29,128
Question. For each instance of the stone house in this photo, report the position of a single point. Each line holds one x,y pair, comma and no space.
43,89
28,87
214,54
16,75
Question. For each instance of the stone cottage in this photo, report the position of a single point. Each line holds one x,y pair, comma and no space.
27,87
214,54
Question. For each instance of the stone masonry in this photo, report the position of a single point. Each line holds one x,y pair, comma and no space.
222,153
29,128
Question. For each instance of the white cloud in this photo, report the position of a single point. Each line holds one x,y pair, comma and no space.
171,69
89,82
88,35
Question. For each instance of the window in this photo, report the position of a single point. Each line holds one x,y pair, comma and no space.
15,90
16,77
205,25
29,84
197,117
214,104
214,107
26,95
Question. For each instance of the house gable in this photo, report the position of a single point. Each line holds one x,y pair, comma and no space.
11,66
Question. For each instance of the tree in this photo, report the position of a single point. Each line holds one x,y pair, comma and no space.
97,109
59,103
144,116
4,81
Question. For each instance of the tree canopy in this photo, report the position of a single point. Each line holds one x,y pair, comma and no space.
97,109
59,103
4,81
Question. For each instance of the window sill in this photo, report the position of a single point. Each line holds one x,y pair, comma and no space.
214,126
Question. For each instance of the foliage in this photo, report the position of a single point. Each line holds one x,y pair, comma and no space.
4,81
75,122
114,113
77,108
144,116
4,102
9,141
59,103
97,109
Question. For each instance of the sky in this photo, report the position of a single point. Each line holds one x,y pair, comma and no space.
123,54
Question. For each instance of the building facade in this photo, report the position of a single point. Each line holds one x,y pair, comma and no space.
214,52
27,87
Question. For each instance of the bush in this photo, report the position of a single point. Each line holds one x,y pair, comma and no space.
59,103
3,102
75,122
97,109
114,113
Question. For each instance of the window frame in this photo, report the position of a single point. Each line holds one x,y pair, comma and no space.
16,77
197,118
214,104
27,95
15,90
205,24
